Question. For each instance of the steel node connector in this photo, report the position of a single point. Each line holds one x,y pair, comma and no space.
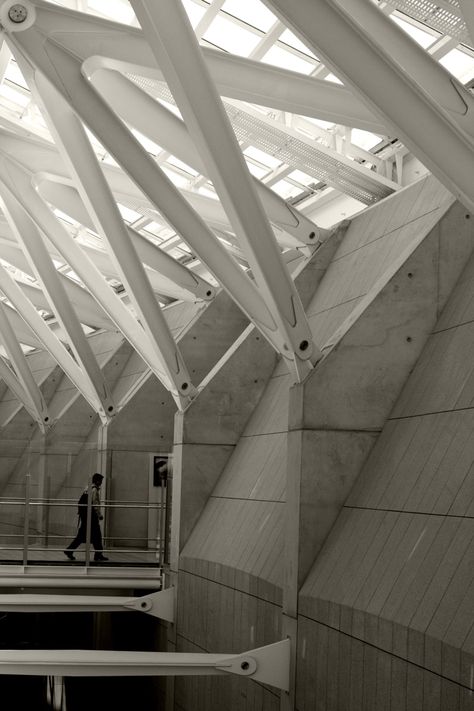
17,16
18,13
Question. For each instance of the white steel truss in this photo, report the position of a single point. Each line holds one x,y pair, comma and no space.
174,45
159,604
90,69
268,665
26,387
435,133
152,119
30,237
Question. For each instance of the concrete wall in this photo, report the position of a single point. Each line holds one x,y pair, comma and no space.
389,603
234,561
77,445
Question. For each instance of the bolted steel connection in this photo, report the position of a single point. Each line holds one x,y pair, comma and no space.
18,13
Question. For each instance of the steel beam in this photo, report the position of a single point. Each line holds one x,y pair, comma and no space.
87,309
159,604
22,370
84,267
12,382
64,70
236,77
418,64
174,44
30,237
23,332
268,665
467,10
53,182
81,160
48,340
67,199
155,121
429,130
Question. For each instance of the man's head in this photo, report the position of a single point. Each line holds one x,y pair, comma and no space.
97,479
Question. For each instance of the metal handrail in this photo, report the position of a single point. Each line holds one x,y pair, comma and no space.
30,531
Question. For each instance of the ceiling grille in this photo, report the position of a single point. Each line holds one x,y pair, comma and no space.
315,159
442,15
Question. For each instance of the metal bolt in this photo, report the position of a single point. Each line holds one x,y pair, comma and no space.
18,13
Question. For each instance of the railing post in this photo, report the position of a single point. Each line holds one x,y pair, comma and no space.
88,523
26,522
161,523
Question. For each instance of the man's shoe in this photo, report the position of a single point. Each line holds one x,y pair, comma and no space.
69,554
101,557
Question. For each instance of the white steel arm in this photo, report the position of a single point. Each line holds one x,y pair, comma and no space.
68,200
65,71
268,665
30,237
87,309
24,375
12,382
23,332
79,156
467,9
163,263
429,130
85,268
151,118
174,44
49,341
236,77
435,79
159,604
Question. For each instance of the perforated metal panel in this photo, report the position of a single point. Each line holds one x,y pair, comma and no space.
442,15
317,160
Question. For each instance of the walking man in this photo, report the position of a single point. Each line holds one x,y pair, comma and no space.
96,517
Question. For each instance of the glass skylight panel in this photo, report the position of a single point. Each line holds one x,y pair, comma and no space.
289,38
128,214
423,37
117,11
262,157
230,36
285,189
195,12
14,75
364,139
254,13
286,60
320,122
179,180
72,275
207,192
171,107
301,177
460,64
256,170
147,143
180,164
62,215
16,97
332,77
109,160
96,145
